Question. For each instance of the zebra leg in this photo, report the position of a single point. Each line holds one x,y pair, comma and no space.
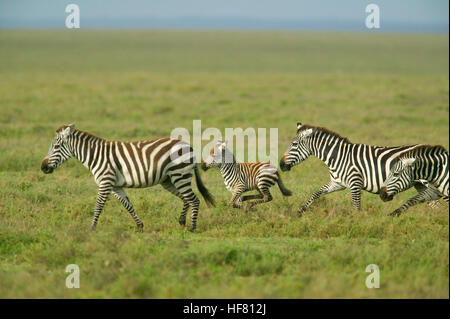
434,204
422,197
249,197
103,192
328,188
236,201
183,185
120,194
171,188
356,197
194,202
267,197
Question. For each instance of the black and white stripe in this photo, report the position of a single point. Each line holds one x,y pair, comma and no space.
425,164
242,177
117,165
354,166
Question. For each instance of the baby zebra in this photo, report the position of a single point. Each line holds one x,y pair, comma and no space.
425,164
243,177
117,165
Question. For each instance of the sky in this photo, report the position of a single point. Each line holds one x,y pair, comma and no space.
331,15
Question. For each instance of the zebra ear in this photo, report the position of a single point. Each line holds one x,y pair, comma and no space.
68,130
406,162
220,145
299,125
307,132
223,146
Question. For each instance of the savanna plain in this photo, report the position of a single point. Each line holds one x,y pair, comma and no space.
377,88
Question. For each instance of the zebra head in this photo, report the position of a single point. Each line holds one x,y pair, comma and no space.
299,150
60,150
399,179
218,155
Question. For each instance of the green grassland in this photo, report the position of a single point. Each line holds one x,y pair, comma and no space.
383,89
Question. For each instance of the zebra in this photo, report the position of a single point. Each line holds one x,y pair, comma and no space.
425,164
243,177
354,166
117,165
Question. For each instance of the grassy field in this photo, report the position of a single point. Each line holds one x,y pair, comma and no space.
383,89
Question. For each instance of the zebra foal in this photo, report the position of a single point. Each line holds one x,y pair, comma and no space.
243,177
425,164
354,166
117,165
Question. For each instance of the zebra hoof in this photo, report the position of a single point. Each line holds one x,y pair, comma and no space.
140,228
192,229
92,228
182,221
249,208
301,211
395,213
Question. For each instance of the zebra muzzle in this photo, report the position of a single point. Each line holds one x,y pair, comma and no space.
284,167
45,168
204,166
384,195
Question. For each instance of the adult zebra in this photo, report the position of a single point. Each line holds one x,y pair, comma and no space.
354,166
117,165
425,163
242,177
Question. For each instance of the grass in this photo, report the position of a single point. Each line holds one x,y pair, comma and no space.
383,89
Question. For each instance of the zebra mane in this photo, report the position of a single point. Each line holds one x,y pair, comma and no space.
89,135
79,132
424,148
322,129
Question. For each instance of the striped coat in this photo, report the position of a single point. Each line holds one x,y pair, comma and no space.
243,177
426,164
354,166
117,165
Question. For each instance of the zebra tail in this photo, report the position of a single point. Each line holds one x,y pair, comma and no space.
283,189
203,190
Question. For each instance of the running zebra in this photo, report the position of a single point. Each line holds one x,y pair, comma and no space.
425,164
117,165
243,177
354,166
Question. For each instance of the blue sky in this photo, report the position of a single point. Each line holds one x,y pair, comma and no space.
396,15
